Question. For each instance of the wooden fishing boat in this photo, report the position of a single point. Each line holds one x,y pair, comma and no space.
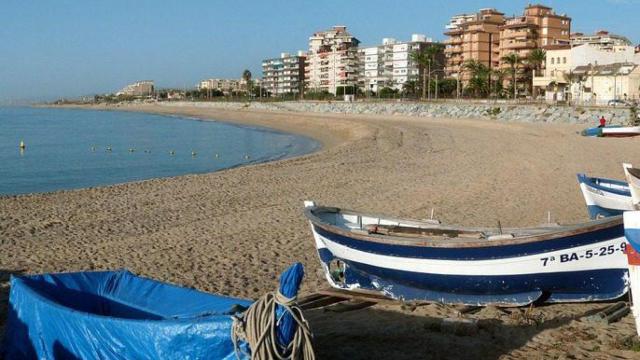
605,197
119,315
623,131
597,131
415,260
632,233
633,178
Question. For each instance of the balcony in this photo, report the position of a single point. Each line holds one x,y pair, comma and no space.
453,41
529,44
453,50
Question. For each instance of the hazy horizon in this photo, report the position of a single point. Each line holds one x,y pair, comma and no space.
70,49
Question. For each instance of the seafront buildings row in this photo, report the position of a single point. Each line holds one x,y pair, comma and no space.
587,67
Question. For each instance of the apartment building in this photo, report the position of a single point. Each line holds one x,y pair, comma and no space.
539,26
138,88
227,86
285,74
390,64
601,39
472,37
332,60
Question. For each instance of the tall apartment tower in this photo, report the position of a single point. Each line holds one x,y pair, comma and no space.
332,60
284,75
538,27
390,64
473,37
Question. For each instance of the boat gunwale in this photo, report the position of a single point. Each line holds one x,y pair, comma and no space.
68,309
426,241
590,181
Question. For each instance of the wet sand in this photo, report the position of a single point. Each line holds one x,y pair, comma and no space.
233,231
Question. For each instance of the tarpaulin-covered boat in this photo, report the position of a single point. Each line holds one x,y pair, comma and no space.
605,197
118,315
417,261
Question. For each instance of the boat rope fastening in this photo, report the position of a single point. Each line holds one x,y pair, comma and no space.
257,327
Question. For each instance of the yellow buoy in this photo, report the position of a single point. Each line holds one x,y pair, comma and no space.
22,145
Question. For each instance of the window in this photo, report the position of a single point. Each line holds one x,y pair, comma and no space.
564,60
552,61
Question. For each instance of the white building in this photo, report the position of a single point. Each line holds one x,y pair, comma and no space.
561,62
390,64
227,86
138,88
601,39
332,60
598,84
285,74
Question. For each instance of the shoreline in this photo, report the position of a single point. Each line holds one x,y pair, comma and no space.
233,231
317,144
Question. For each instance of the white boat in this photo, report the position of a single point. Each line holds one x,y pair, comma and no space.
605,197
633,179
415,260
625,131
632,233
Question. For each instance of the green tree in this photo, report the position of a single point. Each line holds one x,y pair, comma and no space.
426,59
479,80
535,60
246,76
512,60
410,88
387,92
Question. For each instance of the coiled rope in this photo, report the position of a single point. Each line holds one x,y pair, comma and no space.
257,327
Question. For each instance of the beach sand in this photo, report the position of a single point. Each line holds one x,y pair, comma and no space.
234,231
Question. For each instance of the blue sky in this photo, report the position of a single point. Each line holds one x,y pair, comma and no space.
59,48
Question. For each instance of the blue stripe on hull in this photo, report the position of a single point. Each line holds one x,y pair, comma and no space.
596,212
515,290
478,253
633,237
596,183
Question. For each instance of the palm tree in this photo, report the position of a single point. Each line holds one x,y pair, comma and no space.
421,58
246,76
512,60
479,76
426,58
535,59
497,76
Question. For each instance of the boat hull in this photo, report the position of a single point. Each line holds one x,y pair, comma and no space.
587,267
602,200
626,131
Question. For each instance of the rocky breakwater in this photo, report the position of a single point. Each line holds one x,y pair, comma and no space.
490,111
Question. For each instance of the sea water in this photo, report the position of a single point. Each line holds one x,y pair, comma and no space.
71,149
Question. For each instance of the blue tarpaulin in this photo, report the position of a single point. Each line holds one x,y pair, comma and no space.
115,315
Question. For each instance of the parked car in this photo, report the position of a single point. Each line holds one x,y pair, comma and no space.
616,102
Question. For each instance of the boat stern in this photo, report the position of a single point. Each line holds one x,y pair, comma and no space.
632,233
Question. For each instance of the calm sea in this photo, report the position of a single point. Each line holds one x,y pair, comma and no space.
70,149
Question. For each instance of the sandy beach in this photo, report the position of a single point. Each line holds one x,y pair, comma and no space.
233,231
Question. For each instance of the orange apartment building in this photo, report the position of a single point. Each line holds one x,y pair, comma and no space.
473,37
538,27
488,36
